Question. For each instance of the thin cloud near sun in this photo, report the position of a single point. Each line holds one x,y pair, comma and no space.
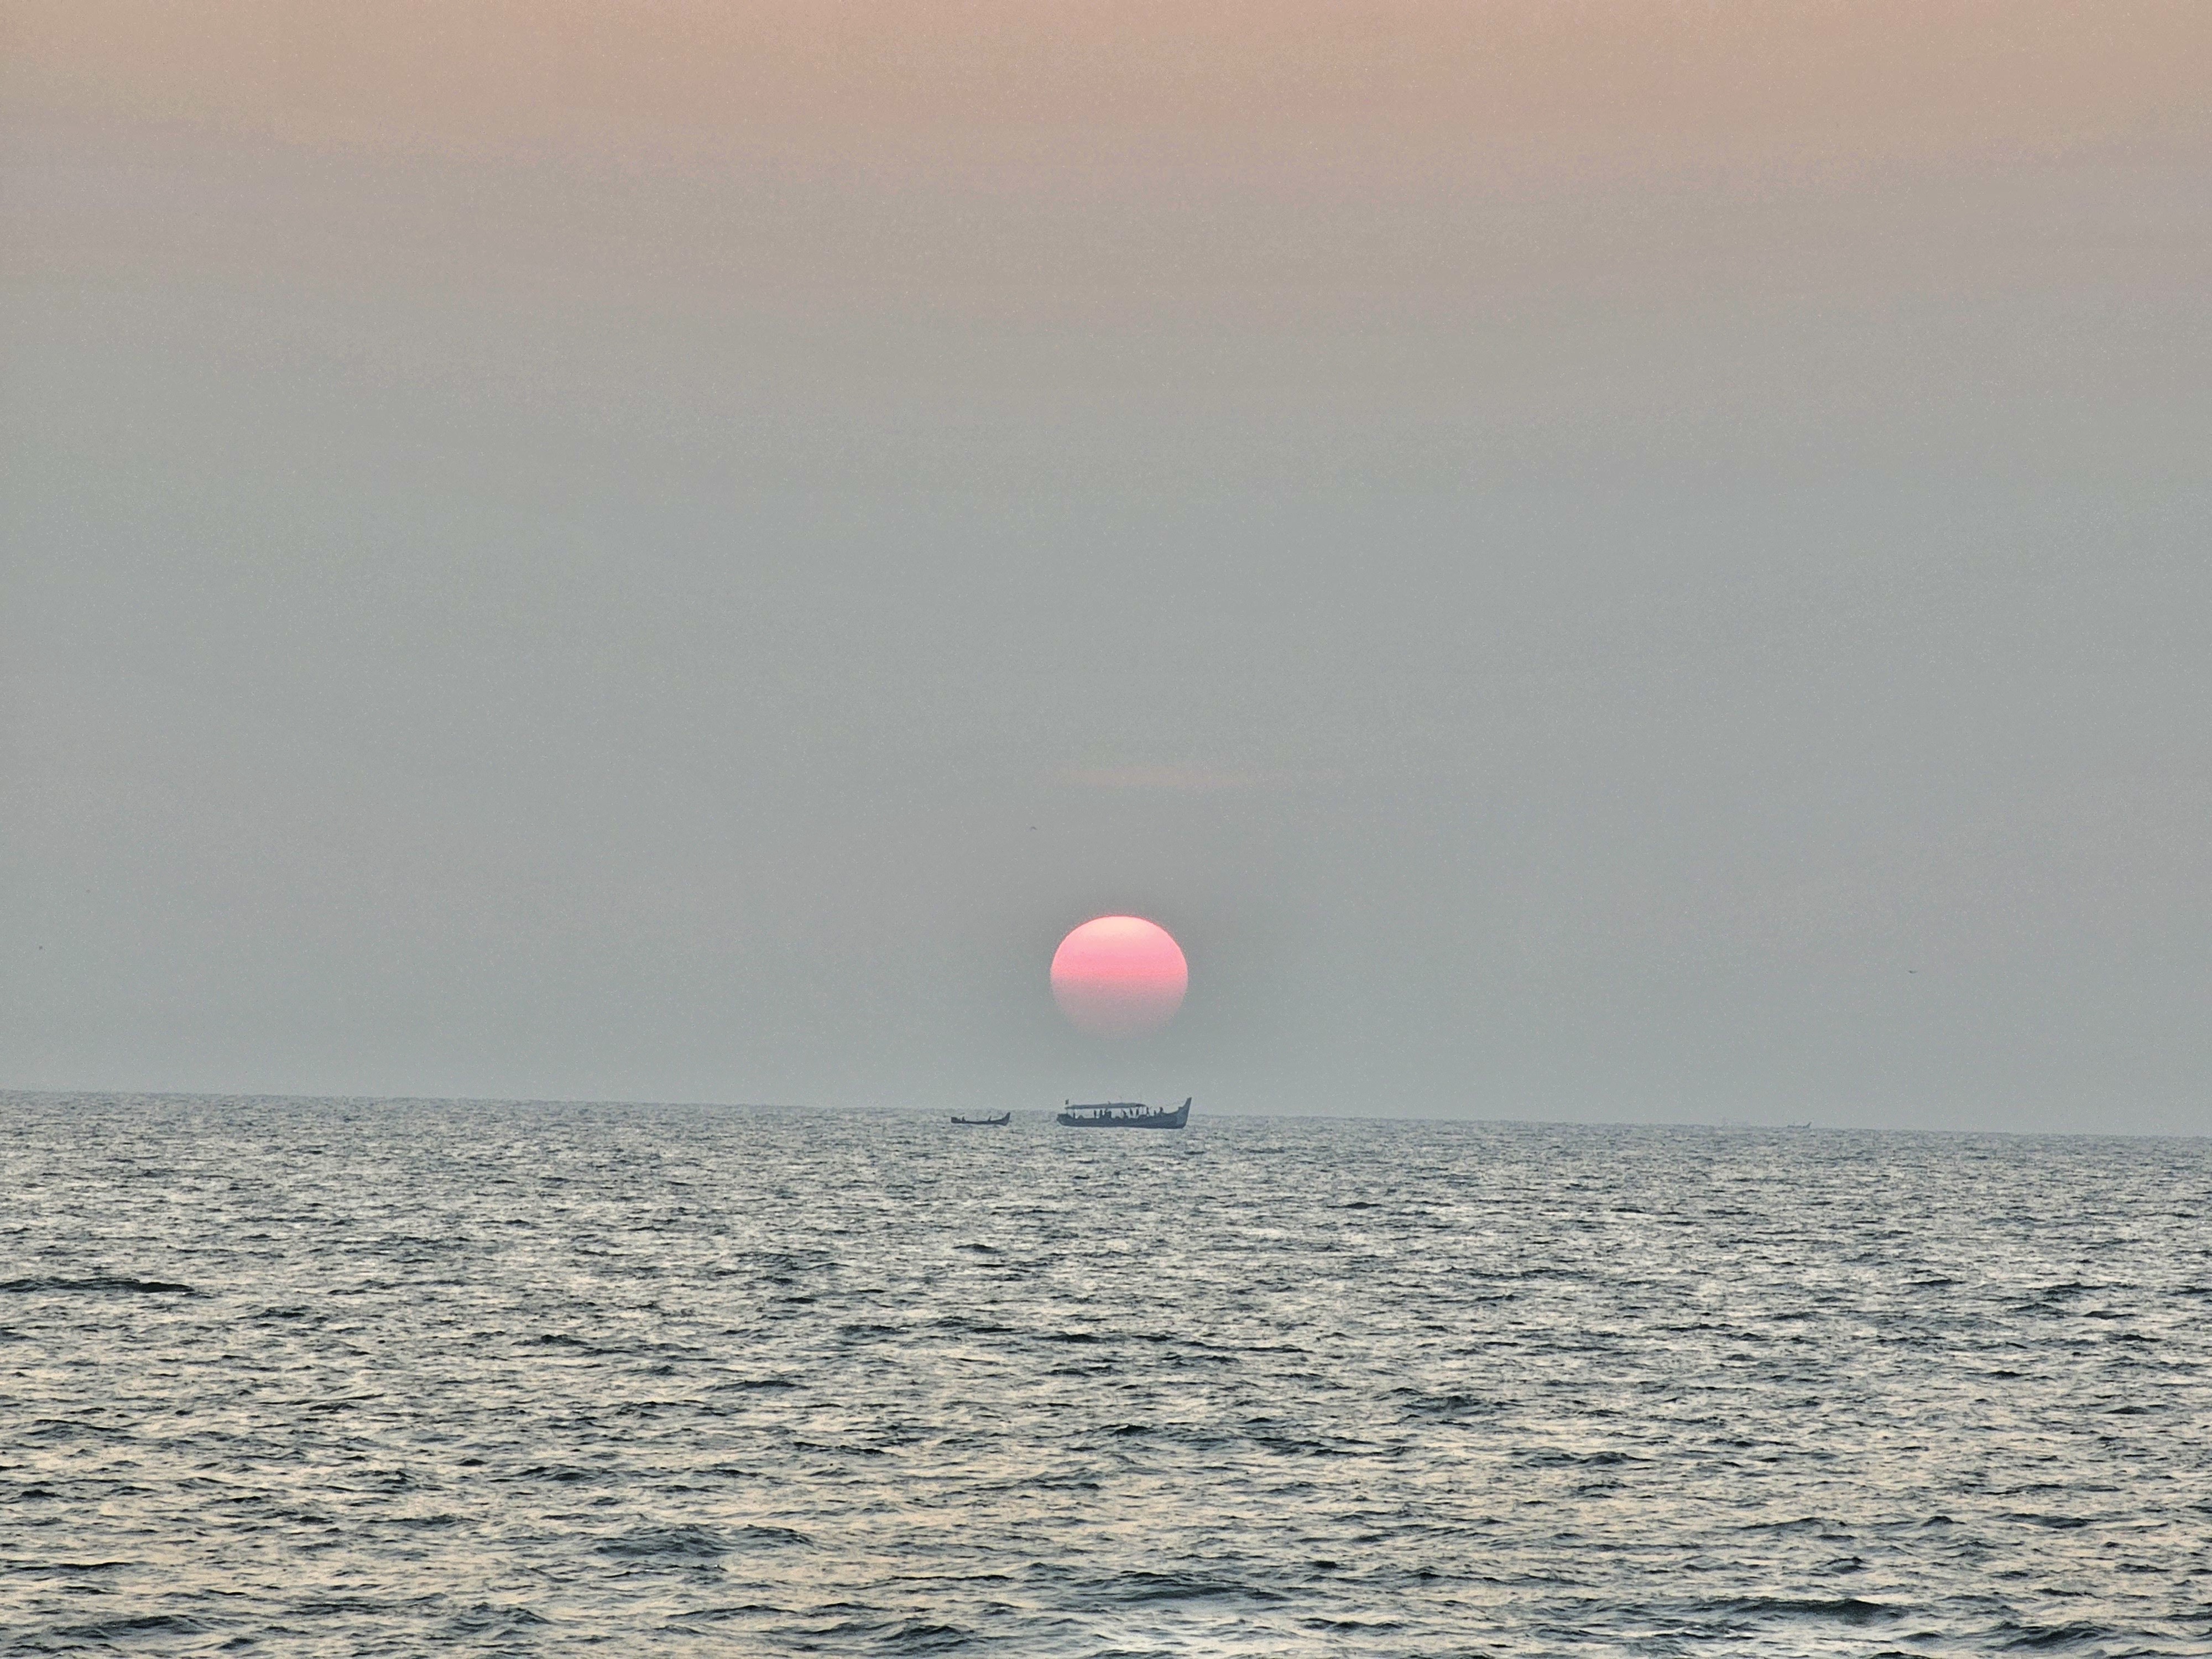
1188,779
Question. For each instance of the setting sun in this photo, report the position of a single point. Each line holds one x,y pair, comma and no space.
1118,976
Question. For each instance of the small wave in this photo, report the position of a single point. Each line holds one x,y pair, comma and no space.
769,1537
668,1544
98,1285
336,1607
562,1340
485,1619
1186,1587
2036,1636
918,1636
1585,1460
697,1543
149,1624
1447,1406
1850,1609
968,1325
38,1567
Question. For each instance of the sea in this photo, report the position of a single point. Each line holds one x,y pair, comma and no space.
405,1377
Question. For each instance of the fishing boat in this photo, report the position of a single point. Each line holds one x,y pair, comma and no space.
997,1122
1124,1114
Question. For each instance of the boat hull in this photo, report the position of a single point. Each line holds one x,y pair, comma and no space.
1125,1117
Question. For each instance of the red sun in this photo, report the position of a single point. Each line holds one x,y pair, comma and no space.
1118,976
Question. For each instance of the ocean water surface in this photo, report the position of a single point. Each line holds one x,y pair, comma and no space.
359,1378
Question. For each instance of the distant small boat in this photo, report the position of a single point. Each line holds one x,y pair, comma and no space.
997,1122
1125,1115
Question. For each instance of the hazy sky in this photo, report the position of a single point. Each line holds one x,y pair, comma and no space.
1589,560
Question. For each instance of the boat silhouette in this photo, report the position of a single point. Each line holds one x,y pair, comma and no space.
997,1122
1125,1115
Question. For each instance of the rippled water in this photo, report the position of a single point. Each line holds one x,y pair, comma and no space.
357,1377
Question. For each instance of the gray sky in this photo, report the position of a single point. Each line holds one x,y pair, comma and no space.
1673,634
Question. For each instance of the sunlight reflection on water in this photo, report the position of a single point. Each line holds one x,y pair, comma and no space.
378,1377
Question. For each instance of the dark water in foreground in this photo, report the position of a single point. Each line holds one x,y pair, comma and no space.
352,1378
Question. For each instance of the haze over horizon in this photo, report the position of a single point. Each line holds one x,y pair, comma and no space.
1613,563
